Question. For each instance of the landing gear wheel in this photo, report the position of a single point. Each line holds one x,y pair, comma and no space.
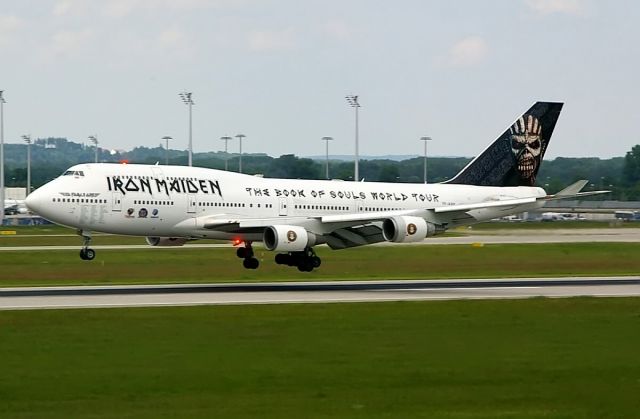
87,254
251,263
315,260
245,252
241,252
282,259
305,265
305,268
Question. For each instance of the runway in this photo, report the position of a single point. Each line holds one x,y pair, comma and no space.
313,292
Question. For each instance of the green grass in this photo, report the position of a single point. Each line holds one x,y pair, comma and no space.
175,265
562,358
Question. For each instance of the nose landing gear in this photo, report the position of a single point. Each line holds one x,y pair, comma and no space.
246,253
86,253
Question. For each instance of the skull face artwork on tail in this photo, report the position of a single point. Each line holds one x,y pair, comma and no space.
526,146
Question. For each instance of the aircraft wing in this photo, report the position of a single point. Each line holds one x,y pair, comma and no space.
367,216
341,231
328,223
483,205
350,231
357,229
219,222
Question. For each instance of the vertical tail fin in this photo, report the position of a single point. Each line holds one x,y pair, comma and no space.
515,157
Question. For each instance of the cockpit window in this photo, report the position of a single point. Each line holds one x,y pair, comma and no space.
73,173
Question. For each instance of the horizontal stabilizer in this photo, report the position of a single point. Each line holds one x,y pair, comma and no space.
573,191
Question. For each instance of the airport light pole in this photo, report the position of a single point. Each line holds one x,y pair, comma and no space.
186,98
240,137
94,140
326,149
27,139
2,102
426,140
226,140
352,100
166,139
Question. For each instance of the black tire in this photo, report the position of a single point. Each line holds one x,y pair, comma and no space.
241,252
83,254
251,263
282,259
305,265
90,254
294,259
316,261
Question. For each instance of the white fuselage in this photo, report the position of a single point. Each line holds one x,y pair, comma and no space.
173,201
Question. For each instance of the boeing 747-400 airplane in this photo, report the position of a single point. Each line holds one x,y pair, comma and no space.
171,205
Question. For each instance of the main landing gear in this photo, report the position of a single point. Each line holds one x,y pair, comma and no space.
86,253
306,261
246,253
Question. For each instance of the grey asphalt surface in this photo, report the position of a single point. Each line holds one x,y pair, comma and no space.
313,292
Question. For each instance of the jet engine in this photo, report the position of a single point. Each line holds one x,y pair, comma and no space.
285,238
166,241
407,229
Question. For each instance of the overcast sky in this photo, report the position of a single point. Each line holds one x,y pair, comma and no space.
278,70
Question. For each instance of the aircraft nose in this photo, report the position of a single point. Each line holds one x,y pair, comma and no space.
36,201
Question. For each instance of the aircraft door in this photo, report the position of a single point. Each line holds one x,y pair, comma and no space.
192,203
116,202
283,206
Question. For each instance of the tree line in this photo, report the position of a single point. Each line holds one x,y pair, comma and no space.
51,156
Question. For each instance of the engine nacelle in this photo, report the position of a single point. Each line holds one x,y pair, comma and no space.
284,238
166,241
407,229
